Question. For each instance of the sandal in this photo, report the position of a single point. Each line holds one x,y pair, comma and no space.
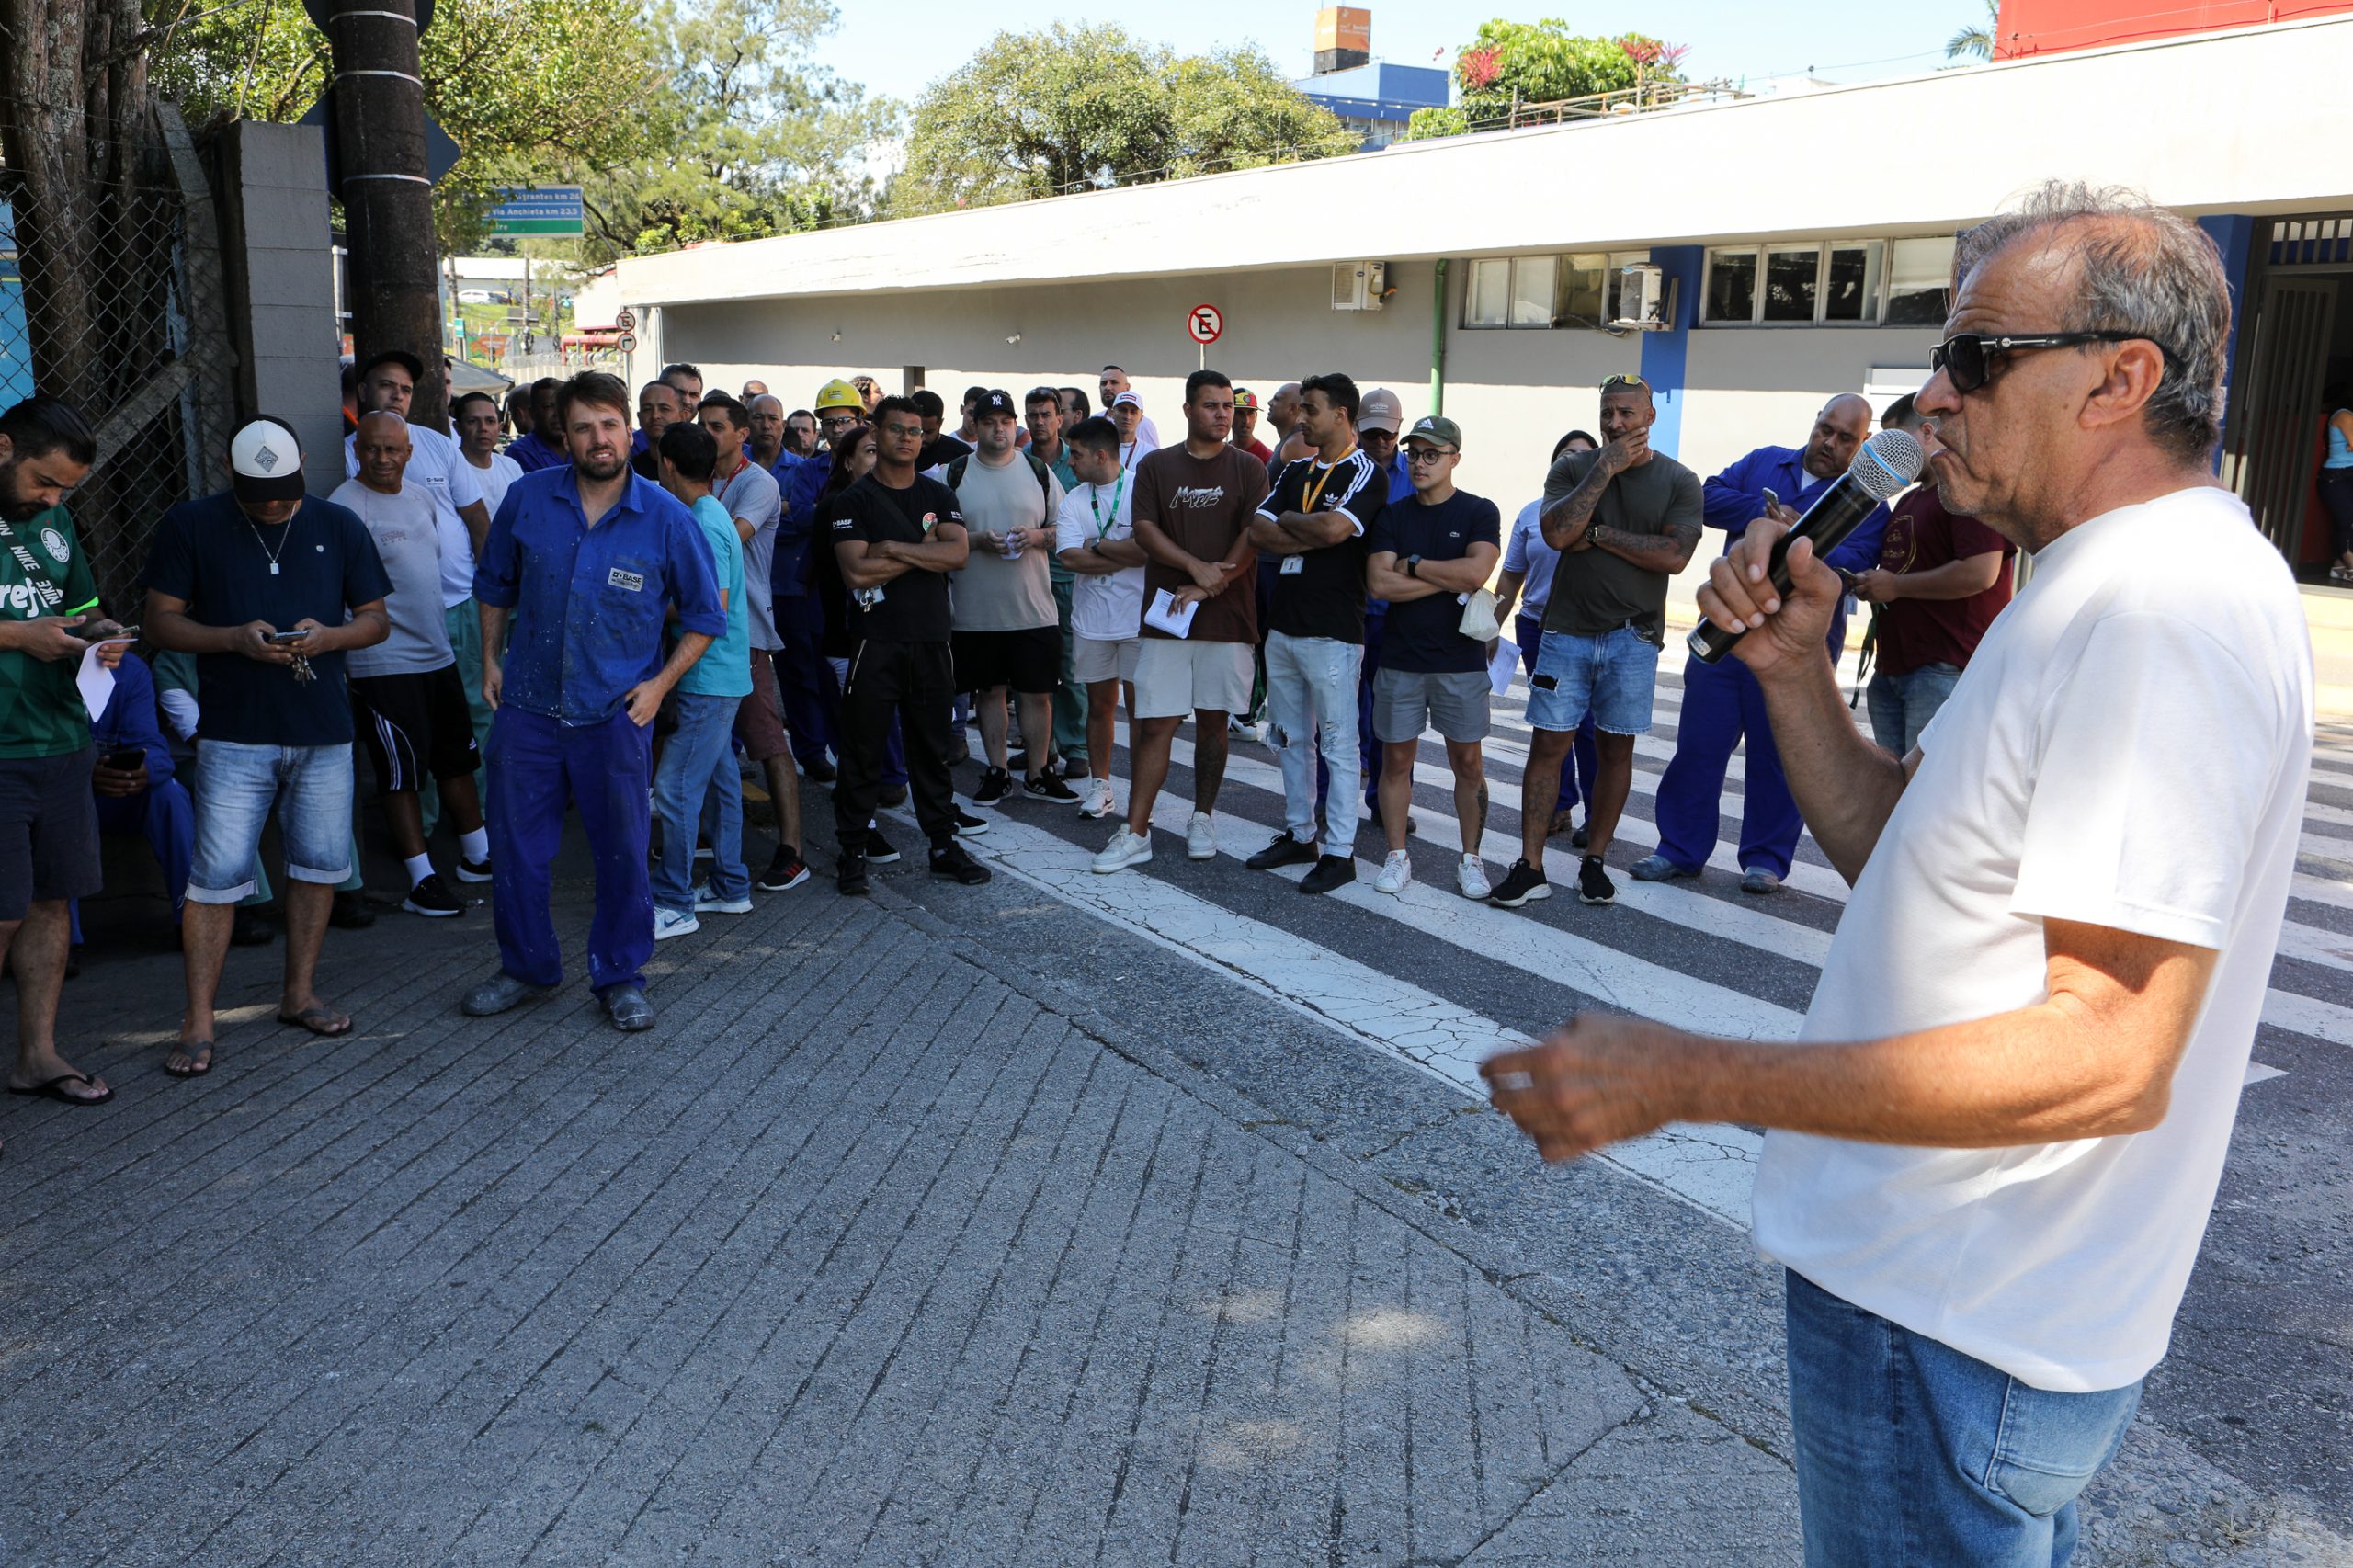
49,1090
318,1021
190,1048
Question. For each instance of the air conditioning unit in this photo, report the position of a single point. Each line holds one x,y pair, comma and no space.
1359,285
1646,299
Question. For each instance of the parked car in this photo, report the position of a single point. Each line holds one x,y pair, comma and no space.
473,296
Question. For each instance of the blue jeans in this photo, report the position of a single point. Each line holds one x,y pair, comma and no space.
536,766
1912,1455
1613,676
698,763
237,785
1900,706
1311,704
1584,763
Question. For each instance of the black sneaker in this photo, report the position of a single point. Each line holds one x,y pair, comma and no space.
967,825
432,900
1593,885
1580,837
850,876
995,784
786,871
1328,872
1284,851
473,870
351,912
1521,883
1073,768
817,771
879,851
949,860
1046,787
892,795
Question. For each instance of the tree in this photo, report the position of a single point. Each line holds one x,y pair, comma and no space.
1512,63
1976,43
748,136
1038,114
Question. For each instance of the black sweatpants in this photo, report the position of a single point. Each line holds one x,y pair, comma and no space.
917,682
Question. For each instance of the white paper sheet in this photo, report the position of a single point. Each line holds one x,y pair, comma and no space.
96,682
1500,666
1163,614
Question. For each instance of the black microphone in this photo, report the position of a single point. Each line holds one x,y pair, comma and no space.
1887,463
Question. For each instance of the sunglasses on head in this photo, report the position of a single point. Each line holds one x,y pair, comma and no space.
1967,358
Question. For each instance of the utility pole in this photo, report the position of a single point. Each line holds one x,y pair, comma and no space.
387,190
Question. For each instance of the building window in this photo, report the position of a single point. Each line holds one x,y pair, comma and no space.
1920,282
1577,290
1828,283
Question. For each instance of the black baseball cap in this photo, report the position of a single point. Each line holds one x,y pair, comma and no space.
997,400
401,357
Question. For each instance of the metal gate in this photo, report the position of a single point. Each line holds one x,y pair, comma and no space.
2272,470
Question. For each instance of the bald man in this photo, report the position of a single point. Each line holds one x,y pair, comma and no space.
1723,706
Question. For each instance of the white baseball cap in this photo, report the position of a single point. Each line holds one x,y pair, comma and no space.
265,462
1128,398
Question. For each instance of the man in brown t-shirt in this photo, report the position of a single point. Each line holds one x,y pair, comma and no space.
1193,505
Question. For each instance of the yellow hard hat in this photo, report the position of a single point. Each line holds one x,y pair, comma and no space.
838,393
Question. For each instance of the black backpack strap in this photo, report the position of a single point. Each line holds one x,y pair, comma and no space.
956,470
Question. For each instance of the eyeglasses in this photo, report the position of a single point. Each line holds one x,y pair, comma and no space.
1967,358
1423,457
901,431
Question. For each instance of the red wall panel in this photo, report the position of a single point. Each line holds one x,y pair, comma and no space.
2044,27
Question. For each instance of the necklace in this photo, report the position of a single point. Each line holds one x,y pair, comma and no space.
266,550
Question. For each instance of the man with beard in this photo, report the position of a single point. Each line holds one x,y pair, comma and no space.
48,824
586,559
658,407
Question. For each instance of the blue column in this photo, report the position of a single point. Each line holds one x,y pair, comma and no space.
2234,236
1663,353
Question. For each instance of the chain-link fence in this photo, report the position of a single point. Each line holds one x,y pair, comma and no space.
112,295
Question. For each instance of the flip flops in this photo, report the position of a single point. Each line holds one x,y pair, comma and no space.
189,1048
318,1021
49,1090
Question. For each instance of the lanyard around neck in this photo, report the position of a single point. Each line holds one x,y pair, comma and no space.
1315,486
1102,525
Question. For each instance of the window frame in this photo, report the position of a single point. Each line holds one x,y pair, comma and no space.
1878,287
1565,265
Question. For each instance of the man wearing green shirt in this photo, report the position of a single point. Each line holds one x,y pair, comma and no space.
48,822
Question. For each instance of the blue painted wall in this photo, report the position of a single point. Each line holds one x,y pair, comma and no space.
1665,353
2234,235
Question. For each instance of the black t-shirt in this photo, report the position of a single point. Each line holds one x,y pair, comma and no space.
1324,596
1424,635
914,604
940,450
211,554
826,581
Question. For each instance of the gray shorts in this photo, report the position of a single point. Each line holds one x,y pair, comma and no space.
1407,702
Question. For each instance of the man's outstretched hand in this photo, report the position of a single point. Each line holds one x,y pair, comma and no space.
1599,1079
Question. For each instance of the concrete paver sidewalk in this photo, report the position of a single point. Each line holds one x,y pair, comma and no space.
866,1254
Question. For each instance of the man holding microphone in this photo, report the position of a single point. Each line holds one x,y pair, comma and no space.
2000,1136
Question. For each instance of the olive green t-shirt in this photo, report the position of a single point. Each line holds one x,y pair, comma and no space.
1594,591
40,705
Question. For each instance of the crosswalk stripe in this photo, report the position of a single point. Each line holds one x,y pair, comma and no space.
1710,1169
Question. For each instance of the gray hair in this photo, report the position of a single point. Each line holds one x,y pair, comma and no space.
2145,270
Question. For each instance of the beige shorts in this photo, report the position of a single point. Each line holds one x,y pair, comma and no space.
1092,661
1174,678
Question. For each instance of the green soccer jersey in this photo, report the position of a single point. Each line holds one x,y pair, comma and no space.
42,573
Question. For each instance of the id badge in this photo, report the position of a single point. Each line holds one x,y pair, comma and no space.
1293,566
868,597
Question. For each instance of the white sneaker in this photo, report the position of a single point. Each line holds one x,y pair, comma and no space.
1472,878
1395,873
1200,837
1124,850
706,902
1095,798
668,923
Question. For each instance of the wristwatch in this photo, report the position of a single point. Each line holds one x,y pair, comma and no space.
1413,566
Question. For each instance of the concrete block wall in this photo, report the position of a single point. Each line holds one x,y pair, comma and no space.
278,250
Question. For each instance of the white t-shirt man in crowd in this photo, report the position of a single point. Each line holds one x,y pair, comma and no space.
2000,1136
1113,383
1094,537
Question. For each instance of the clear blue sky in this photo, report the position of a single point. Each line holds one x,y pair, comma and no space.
898,46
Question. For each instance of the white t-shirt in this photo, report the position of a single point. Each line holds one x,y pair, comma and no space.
409,543
2127,749
1104,609
438,468
503,471
753,496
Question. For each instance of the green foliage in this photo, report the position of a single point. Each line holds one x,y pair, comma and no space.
1427,123
1543,61
1036,114
1975,44
681,119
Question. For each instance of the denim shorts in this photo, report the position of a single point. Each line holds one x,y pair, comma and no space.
236,788
1613,676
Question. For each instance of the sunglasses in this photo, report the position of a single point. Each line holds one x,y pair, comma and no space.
1967,358
1623,379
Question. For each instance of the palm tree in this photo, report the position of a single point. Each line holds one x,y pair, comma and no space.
1976,43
